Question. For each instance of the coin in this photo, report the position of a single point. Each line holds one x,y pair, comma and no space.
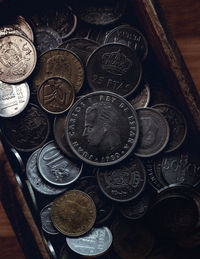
17,58
157,164
102,128
56,95
177,125
46,39
123,182
154,132
31,199
94,243
114,67
56,168
27,131
60,63
37,181
142,98
81,47
6,30
13,98
45,216
131,37
73,213
25,27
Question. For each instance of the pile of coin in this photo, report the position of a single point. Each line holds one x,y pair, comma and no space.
104,174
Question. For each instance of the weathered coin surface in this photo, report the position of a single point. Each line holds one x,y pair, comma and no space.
123,182
28,130
177,125
81,46
13,98
142,97
17,58
157,165
46,39
55,167
94,243
11,29
37,181
25,27
114,67
73,213
131,37
102,128
154,132
45,217
61,63
56,95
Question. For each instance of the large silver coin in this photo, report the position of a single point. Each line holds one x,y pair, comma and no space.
13,98
47,225
102,128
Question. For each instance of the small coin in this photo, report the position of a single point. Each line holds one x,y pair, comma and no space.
13,99
60,63
177,125
56,168
94,243
154,132
131,37
27,131
45,216
46,39
114,67
102,128
142,97
81,47
37,181
157,165
25,27
56,95
73,213
123,182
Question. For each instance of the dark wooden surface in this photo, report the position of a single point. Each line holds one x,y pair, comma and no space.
184,21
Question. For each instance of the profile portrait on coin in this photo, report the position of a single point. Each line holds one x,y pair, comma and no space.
101,127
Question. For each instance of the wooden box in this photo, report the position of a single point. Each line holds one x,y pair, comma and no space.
176,76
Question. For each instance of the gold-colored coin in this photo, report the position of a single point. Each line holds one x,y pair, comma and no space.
73,213
59,63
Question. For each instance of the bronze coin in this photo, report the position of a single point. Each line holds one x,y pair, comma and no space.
59,63
17,58
56,95
25,27
73,213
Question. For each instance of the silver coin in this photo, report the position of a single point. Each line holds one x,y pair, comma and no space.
95,243
142,98
13,98
56,168
34,177
11,29
45,216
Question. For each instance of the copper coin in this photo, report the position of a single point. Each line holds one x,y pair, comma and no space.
102,128
13,98
142,97
114,67
25,27
59,63
17,58
27,131
73,213
56,95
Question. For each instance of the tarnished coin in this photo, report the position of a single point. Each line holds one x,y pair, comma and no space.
37,181
131,37
56,95
17,58
45,217
56,168
59,135
102,128
154,132
46,39
27,131
123,182
142,97
94,243
177,125
13,98
114,67
157,164
81,46
100,12
73,213
11,30
25,27
60,63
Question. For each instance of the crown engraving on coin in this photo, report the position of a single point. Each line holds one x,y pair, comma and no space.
116,62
